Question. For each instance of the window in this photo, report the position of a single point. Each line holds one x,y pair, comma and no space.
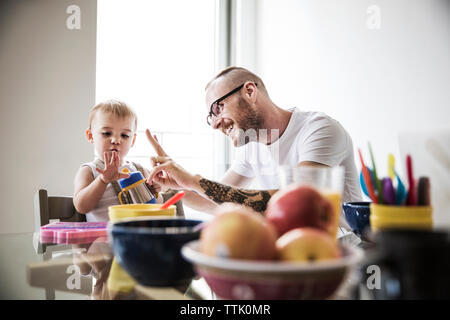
157,56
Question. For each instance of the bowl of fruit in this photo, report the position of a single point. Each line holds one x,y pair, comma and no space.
245,255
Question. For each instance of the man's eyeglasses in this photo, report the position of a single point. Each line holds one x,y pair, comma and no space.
216,109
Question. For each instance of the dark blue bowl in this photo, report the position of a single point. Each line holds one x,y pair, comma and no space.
357,215
150,250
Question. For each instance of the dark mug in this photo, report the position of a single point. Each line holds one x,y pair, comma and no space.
357,215
411,264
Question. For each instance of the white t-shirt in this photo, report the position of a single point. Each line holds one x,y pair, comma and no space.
309,136
109,197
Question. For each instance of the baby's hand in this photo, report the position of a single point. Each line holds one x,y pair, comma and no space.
111,172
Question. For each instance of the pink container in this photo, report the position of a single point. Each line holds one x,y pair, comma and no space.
73,232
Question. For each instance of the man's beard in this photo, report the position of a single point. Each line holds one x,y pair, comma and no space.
249,122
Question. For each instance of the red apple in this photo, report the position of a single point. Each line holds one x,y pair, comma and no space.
240,233
307,244
300,206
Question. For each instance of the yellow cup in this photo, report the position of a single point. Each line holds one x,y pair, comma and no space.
119,281
402,217
139,210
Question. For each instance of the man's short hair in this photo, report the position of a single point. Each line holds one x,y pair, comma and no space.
237,76
115,107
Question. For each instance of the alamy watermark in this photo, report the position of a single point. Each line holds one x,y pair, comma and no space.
251,151
374,279
373,21
73,282
73,21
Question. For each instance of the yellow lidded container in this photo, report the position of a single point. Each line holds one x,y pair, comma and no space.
404,217
138,210
119,281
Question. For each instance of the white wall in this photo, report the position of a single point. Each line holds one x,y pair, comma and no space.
47,87
326,55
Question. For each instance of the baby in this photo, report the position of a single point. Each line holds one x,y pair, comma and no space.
112,131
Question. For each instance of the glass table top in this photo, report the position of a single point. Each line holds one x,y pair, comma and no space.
33,270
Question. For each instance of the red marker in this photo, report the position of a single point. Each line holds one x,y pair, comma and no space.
411,199
367,179
172,200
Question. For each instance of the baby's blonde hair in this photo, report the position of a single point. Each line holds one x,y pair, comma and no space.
115,107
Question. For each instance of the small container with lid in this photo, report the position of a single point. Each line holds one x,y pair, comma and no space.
136,188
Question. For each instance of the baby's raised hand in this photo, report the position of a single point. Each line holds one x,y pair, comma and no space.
111,171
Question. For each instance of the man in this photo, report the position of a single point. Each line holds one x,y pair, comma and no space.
266,137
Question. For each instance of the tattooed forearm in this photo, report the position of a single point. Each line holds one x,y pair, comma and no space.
219,193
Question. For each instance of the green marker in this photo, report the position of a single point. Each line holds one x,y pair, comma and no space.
377,182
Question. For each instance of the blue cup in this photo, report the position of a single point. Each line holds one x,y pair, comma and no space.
357,215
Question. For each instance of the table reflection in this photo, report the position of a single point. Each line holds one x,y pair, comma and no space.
34,270
91,270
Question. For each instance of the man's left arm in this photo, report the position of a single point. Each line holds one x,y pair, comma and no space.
256,199
171,175
220,193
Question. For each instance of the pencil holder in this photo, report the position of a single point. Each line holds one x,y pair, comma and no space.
400,217
138,210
